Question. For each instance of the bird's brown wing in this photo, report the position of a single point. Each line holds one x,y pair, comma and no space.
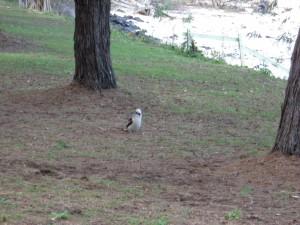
130,121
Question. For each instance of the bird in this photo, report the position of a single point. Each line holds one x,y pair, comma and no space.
135,122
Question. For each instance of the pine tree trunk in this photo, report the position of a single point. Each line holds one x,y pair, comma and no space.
288,134
93,67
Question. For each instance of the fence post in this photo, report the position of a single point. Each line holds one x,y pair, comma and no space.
240,48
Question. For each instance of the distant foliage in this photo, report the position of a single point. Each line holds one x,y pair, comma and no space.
265,71
159,11
188,47
217,57
218,3
171,4
266,6
286,37
161,6
188,19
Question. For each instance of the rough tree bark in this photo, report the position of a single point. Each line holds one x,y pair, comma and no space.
288,134
93,67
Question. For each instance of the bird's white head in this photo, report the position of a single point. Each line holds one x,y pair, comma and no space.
138,112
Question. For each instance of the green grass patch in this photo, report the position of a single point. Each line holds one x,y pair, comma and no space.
3,201
246,191
145,221
35,63
201,88
60,215
204,107
60,144
234,214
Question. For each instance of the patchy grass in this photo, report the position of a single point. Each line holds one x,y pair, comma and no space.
65,156
137,221
60,215
34,63
207,90
234,214
246,191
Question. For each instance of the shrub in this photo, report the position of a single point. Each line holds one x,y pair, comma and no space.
188,46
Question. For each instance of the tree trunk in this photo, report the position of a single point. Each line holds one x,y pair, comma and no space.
23,3
214,4
288,134
41,5
46,6
217,3
93,67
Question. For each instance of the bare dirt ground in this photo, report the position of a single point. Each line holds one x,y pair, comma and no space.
60,136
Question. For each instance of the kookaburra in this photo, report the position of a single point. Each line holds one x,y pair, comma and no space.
135,122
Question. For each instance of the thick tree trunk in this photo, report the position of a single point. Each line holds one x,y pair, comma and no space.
288,135
93,67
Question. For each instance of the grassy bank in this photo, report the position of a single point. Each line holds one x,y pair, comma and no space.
66,158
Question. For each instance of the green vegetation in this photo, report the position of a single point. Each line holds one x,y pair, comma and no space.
60,144
60,215
158,221
3,200
188,19
188,47
58,150
233,215
206,88
159,11
246,191
266,71
220,108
